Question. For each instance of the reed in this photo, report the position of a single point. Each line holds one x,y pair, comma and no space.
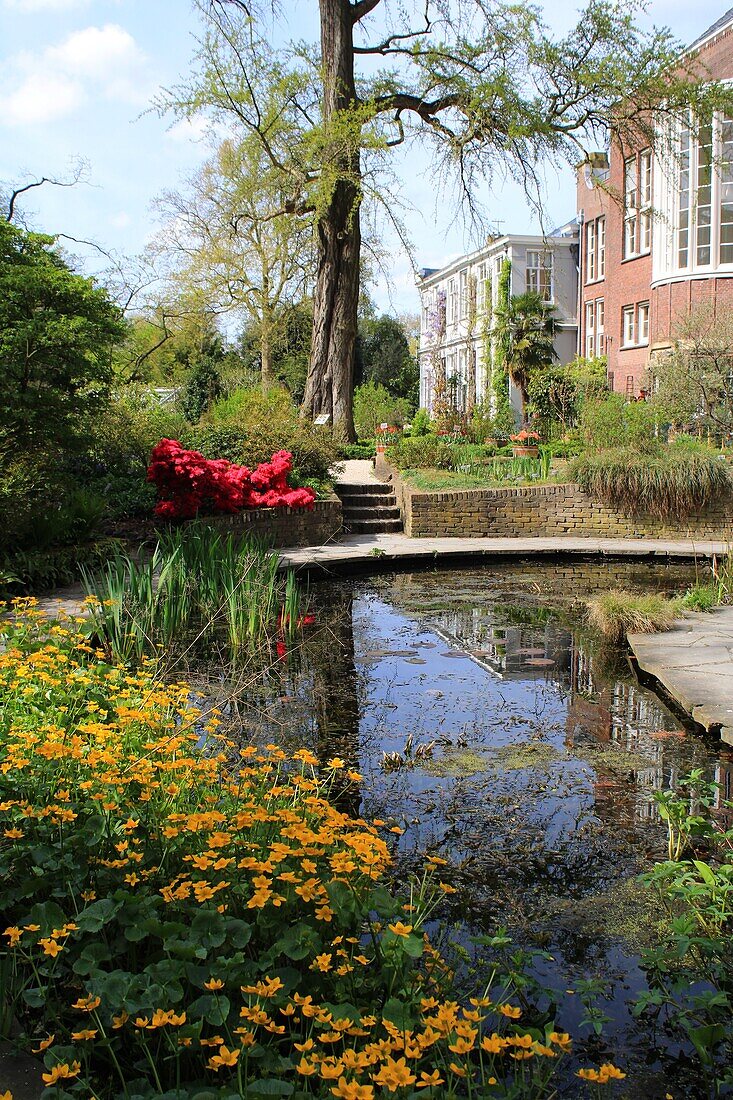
616,614
197,588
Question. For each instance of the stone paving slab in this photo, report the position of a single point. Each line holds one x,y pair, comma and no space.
694,663
20,1075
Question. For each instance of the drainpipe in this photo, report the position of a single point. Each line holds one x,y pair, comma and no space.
579,330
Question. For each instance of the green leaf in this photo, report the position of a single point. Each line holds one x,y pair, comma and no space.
99,913
706,1038
706,874
208,928
269,1086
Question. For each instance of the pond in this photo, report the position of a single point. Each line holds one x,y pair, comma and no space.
491,726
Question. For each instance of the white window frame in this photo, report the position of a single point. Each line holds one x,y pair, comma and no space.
601,245
628,327
590,329
452,311
462,295
600,326
645,202
631,207
642,324
590,252
545,262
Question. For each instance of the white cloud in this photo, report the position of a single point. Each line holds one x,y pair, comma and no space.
120,220
97,62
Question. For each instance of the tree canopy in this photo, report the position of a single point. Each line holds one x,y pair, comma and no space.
57,331
483,81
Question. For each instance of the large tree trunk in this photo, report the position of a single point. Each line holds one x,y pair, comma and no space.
330,383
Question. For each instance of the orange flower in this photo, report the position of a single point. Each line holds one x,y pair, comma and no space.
88,1003
61,1072
429,1080
43,1045
400,929
87,1033
51,947
225,1057
213,984
351,1090
13,935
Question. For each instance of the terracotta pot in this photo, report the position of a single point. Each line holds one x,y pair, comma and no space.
525,452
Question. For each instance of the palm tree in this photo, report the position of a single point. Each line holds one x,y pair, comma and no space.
524,331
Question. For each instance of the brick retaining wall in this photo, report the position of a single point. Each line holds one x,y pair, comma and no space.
540,510
288,526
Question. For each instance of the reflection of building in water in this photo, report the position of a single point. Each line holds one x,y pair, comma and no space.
520,650
625,716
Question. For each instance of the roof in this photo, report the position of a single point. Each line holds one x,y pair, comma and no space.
718,26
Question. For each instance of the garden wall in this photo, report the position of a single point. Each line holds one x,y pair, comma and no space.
540,510
288,526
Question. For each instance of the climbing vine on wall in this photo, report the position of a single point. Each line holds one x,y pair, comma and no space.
503,413
470,349
436,328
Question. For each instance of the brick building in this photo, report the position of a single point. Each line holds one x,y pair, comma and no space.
664,242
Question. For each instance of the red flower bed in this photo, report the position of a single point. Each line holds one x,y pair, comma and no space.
188,483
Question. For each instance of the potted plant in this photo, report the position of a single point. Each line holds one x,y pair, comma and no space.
524,444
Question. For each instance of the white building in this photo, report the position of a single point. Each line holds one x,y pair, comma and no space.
456,313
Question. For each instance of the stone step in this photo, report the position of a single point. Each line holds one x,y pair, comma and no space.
389,500
373,526
350,513
370,488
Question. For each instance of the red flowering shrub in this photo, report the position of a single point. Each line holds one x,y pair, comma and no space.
188,483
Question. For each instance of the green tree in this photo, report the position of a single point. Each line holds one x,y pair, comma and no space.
525,330
375,405
558,393
383,356
481,79
57,332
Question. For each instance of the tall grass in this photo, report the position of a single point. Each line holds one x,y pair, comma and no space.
669,485
616,614
197,588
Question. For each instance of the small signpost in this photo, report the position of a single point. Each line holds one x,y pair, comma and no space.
322,419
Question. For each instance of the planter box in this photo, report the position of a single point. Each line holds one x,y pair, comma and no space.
525,452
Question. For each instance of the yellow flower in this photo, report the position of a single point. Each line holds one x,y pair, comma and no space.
400,929
87,1033
87,1004
213,984
336,763
394,1074
50,947
350,1090
430,1080
61,1072
510,1011
43,1045
225,1057
13,935
6,1096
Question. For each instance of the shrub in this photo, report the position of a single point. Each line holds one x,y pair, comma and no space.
362,449
420,423
669,484
374,405
188,483
616,614
181,923
249,427
614,422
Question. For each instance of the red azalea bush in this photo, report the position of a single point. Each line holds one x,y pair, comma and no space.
188,483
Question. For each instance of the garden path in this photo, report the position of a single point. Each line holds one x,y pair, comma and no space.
694,663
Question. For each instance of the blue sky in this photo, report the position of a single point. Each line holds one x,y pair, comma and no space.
77,78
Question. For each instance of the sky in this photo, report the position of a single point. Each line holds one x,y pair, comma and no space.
77,83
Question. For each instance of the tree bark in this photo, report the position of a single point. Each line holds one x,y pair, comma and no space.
330,383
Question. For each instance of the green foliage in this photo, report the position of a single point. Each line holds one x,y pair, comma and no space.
689,973
198,586
667,484
420,423
616,614
203,386
615,422
692,384
375,405
524,330
364,449
498,336
558,394
250,426
57,330
27,570
383,357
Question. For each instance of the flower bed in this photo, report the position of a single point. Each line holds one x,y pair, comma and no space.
188,483
191,917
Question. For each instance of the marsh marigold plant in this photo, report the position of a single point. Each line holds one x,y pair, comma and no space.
188,917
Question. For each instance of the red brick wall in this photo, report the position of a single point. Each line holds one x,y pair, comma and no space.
628,282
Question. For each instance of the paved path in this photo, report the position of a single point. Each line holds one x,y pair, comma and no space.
378,551
694,663
356,471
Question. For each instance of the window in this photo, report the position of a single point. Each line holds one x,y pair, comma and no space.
462,295
452,302
699,198
645,200
642,323
634,325
628,328
600,326
726,189
601,238
590,252
590,329
539,274
630,206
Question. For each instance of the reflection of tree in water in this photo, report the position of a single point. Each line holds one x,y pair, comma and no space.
336,706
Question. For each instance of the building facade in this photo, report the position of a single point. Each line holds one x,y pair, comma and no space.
458,302
657,234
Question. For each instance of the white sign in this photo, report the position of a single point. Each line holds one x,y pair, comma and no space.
322,420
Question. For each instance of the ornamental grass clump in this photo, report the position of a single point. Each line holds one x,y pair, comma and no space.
670,484
184,923
616,614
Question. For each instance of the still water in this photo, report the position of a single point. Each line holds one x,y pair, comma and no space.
492,726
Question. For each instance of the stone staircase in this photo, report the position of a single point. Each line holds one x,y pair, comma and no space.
370,508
